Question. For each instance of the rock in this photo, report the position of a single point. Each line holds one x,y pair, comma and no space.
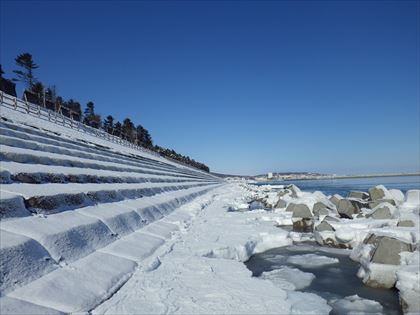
301,211
412,197
324,226
406,223
348,207
281,204
284,192
381,212
302,218
336,199
331,219
303,225
386,250
28,178
290,207
294,189
397,195
358,194
320,208
379,192
374,204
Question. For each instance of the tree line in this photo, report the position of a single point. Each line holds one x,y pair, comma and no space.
36,92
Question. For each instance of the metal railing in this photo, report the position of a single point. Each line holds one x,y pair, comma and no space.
60,119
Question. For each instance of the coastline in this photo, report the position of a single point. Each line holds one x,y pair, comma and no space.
343,177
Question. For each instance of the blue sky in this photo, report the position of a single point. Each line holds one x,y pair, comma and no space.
245,87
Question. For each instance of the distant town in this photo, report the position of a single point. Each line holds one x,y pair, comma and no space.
285,176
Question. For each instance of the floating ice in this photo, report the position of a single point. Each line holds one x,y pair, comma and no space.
311,260
289,278
353,305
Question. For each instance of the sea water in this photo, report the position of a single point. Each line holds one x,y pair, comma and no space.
332,281
343,186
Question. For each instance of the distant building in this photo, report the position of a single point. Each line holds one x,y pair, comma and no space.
270,175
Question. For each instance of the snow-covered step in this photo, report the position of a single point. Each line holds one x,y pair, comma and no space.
81,286
41,174
161,229
12,136
12,205
22,260
135,246
20,155
67,236
14,171
29,133
35,146
127,216
46,198
10,305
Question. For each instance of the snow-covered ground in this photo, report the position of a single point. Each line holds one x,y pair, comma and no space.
91,226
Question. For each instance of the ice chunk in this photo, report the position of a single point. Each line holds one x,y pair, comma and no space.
289,278
311,260
307,303
352,305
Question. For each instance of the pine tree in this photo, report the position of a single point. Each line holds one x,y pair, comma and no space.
26,75
117,129
108,124
128,130
38,89
50,93
90,118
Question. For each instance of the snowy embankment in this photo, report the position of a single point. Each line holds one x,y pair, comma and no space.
79,214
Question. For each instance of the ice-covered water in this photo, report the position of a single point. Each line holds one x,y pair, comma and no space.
335,276
343,186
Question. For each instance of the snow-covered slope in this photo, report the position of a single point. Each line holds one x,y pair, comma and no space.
79,213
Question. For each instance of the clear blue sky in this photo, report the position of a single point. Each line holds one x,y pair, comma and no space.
245,87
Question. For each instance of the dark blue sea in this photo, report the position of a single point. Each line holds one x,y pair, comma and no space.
343,186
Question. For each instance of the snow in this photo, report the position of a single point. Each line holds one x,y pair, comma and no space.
311,260
26,260
15,306
408,282
162,238
355,305
289,278
307,303
78,287
412,198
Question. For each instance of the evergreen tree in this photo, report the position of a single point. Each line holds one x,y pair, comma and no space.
1,72
38,89
88,113
117,129
108,124
50,93
128,130
90,118
74,106
27,64
143,136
